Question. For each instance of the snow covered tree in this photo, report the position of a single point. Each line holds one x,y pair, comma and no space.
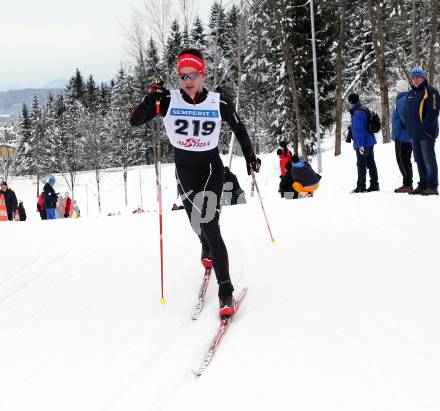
377,21
217,63
91,97
12,161
24,131
198,35
339,76
104,99
174,45
97,148
127,149
76,89
72,133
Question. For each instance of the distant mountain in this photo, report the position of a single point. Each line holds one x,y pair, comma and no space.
57,84
12,101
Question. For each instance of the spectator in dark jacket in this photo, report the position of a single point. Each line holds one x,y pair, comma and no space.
21,211
10,200
363,143
50,198
402,139
232,192
286,184
421,119
305,180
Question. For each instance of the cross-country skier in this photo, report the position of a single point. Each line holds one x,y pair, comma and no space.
192,118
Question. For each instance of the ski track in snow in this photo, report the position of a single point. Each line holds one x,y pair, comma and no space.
341,312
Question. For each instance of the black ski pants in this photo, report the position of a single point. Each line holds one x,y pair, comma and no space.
200,188
403,157
366,161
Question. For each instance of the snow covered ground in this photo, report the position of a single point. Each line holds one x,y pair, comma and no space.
340,313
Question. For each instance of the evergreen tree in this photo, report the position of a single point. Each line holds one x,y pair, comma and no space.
198,36
174,45
104,99
216,57
76,89
24,131
91,97
185,36
12,161
258,80
359,51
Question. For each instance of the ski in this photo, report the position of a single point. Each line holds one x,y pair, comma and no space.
201,300
221,331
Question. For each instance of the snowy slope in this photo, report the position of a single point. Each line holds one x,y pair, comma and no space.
341,312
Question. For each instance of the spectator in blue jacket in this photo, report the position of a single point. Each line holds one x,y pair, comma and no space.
50,198
421,119
363,143
402,139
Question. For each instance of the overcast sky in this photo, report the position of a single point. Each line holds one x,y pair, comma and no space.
45,40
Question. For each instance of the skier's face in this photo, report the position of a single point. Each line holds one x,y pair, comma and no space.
417,81
191,86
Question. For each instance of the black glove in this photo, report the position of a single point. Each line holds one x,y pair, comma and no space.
253,163
156,91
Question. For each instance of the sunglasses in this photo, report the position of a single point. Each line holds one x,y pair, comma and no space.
189,76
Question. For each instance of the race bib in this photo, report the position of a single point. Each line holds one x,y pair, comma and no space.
193,127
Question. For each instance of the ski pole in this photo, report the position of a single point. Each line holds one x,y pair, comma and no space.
159,198
262,206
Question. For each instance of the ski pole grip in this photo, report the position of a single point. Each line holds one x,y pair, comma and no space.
159,83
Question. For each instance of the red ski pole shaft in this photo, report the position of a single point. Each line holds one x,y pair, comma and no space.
159,200
262,207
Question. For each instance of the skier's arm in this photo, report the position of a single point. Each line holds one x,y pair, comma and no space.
146,109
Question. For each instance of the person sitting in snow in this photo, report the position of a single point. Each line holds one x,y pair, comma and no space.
305,180
21,211
286,189
176,207
232,192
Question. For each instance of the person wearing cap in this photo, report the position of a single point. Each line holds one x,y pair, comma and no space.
402,139
10,200
50,198
192,116
363,144
421,120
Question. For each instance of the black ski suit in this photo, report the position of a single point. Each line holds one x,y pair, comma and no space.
198,174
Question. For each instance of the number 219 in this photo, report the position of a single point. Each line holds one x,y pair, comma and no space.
182,127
